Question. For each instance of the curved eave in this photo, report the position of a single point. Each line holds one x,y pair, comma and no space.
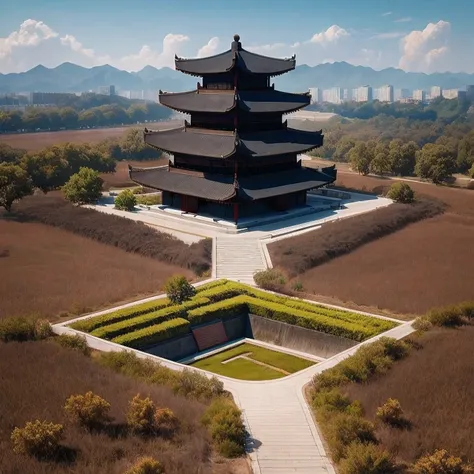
207,186
189,141
217,64
272,101
193,101
245,60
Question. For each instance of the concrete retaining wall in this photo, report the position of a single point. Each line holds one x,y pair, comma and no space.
297,338
175,349
238,327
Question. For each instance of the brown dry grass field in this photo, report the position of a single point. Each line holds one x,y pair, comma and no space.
47,271
424,265
36,379
435,387
39,140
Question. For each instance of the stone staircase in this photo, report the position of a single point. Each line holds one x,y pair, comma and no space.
238,258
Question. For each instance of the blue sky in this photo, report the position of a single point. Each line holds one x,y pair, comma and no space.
418,35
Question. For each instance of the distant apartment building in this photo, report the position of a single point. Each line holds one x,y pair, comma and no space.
385,94
450,93
316,95
347,95
106,90
362,94
50,98
334,95
400,94
419,95
435,92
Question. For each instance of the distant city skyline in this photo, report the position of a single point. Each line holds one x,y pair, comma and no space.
422,36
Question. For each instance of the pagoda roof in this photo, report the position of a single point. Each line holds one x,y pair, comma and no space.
238,57
222,144
264,101
218,187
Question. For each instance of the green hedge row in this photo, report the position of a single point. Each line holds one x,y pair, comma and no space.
377,324
153,334
170,312
90,324
279,312
220,310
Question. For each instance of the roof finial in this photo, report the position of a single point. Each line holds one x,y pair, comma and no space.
236,45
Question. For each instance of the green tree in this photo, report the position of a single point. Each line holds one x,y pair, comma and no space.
11,121
14,184
69,117
83,187
360,158
380,164
133,146
435,162
465,153
9,154
401,192
471,171
178,289
126,200
137,113
48,169
343,147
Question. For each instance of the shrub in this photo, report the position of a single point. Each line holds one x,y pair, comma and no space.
140,414
401,192
345,429
89,410
83,187
366,458
126,200
43,329
146,465
75,342
450,317
391,413
165,420
374,358
17,329
224,421
179,289
192,384
271,279
148,200
37,438
332,400
422,324
439,462
297,286
154,334
467,309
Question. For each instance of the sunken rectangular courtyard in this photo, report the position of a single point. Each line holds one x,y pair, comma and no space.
235,330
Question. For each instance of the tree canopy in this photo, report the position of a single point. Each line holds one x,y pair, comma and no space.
14,184
83,187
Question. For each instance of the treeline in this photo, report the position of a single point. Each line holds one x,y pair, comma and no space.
51,168
401,147
57,118
438,109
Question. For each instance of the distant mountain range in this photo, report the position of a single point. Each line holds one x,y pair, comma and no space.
70,77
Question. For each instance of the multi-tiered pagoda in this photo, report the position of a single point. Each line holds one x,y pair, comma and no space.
236,157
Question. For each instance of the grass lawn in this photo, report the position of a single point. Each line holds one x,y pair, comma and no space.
278,364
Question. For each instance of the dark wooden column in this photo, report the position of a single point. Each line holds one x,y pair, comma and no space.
236,212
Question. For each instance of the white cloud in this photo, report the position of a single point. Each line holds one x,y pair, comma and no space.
30,33
423,50
210,48
331,35
403,20
172,44
390,35
386,14
75,45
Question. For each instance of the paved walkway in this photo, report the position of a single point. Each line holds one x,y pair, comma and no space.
239,257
